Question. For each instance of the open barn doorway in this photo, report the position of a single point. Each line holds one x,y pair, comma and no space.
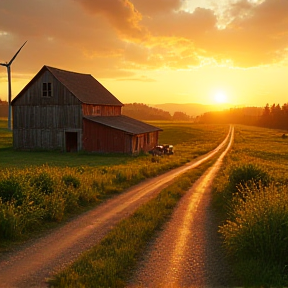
71,139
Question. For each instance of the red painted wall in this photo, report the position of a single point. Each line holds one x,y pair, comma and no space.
100,138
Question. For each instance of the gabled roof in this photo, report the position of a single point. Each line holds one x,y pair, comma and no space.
124,123
83,86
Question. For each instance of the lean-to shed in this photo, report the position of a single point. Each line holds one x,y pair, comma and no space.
69,111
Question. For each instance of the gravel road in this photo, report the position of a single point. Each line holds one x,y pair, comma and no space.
187,252
32,263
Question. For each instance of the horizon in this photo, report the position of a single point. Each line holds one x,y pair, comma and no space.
178,51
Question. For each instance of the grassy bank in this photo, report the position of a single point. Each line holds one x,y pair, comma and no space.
251,194
110,263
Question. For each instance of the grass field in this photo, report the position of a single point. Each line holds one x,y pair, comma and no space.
39,188
251,194
188,139
111,262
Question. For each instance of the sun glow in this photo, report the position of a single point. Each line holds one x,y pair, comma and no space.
220,97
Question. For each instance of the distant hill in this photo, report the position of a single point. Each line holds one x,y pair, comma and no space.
144,112
191,109
244,115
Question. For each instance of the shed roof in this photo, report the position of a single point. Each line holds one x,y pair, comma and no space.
124,123
83,86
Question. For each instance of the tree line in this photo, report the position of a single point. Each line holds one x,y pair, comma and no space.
142,111
274,116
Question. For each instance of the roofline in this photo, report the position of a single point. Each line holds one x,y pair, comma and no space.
129,133
49,68
26,86
45,67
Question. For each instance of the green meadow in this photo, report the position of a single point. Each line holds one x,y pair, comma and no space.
250,195
189,140
41,187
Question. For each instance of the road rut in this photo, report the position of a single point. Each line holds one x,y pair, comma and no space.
32,263
187,252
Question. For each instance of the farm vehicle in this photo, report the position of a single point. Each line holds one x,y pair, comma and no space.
160,150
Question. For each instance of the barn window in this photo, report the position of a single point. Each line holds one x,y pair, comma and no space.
47,89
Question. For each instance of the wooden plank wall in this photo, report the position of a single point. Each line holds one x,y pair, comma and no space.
100,138
100,110
48,139
144,143
39,122
61,95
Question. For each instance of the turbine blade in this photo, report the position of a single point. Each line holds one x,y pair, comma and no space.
4,64
16,54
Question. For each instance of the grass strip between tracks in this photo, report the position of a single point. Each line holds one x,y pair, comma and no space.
110,263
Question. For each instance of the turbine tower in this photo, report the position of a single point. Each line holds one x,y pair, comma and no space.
8,66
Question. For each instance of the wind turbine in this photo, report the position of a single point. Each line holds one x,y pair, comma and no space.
8,66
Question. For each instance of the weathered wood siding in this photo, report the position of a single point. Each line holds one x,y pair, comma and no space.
144,142
40,122
100,138
100,110
33,96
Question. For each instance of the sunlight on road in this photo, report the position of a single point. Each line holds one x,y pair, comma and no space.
198,190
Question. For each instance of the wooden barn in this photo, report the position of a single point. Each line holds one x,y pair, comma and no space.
68,111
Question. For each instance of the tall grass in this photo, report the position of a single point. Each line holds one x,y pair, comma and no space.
48,193
251,194
110,263
259,226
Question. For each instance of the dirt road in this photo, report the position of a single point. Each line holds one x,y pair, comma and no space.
32,263
187,252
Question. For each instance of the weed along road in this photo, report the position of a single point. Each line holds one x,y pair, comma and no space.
31,264
187,251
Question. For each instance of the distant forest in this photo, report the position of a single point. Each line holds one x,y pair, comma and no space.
273,116
145,112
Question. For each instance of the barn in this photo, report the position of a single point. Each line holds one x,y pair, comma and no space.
69,111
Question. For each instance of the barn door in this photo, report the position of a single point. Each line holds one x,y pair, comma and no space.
71,141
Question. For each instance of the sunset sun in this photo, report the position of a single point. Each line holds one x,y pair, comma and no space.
220,97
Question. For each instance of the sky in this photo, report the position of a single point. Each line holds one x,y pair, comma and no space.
154,51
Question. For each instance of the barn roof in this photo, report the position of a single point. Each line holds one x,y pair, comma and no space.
124,123
83,86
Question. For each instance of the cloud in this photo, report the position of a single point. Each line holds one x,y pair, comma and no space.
183,24
257,34
125,36
152,7
69,37
122,15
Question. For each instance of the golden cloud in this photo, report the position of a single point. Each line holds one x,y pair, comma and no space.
127,35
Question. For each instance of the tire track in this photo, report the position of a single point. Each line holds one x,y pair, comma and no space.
187,252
